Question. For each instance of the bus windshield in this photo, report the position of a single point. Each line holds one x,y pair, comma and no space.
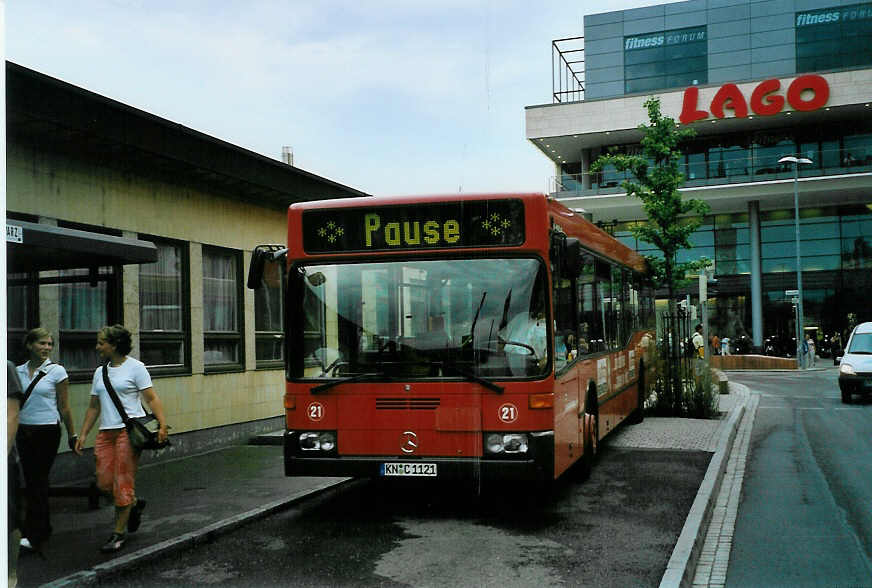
479,318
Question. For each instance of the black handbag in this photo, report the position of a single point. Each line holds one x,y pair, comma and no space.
142,431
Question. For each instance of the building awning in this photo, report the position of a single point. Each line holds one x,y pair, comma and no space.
37,247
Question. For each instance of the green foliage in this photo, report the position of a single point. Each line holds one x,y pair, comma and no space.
656,180
696,395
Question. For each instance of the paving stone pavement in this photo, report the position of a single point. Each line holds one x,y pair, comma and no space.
677,433
711,568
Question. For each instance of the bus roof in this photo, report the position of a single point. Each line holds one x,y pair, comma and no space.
363,201
593,238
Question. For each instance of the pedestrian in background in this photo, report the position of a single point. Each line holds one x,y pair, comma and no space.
13,532
809,343
45,405
698,342
116,459
716,345
725,346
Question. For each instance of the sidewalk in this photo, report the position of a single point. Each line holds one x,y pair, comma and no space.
193,498
188,499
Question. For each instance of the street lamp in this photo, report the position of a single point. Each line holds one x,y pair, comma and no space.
796,161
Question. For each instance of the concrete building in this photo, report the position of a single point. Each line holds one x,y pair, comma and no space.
757,81
115,215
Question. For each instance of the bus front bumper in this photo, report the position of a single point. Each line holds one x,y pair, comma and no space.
538,464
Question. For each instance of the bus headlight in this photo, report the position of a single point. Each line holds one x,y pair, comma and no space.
318,441
508,443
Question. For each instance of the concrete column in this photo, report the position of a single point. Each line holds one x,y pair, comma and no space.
197,343
50,301
756,276
585,168
130,298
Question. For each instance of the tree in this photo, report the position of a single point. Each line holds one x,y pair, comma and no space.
671,219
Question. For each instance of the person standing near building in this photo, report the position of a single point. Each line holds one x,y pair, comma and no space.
810,347
45,404
716,344
725,346
116,459
698,342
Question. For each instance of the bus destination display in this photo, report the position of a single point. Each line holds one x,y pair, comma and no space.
471,223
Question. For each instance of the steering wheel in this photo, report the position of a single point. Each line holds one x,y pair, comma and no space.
528,348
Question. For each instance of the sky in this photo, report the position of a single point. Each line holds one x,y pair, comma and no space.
386,96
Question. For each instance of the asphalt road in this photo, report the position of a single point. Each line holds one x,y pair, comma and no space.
616,529
805,516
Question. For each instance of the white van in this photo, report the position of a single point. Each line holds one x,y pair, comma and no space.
855,369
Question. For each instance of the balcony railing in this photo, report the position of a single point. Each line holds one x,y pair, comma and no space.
711,173
567,69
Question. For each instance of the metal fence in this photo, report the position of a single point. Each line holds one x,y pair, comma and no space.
677,356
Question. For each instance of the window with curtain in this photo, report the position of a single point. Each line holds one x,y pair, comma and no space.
269,316
222,308
163,308
83,301
87,301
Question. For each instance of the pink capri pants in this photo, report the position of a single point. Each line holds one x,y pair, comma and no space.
116,465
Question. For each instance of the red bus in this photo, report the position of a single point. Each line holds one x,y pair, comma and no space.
455,337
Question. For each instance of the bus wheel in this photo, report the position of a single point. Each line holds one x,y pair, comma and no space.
591,436
638,415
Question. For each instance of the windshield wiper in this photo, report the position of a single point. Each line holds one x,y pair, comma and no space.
470,376
355,378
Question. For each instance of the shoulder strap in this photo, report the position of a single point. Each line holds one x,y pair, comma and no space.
30,388
111,391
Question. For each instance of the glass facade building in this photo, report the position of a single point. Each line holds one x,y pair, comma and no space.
726,62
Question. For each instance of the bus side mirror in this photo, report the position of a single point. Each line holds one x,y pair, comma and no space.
259,257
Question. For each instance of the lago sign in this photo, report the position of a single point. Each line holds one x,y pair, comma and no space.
805,93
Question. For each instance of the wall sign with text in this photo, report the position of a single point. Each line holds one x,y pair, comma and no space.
805,93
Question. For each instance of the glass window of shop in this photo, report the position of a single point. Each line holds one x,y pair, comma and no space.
834,38
732,244
768,148
857,150
667,59
856,251
819,234
729,158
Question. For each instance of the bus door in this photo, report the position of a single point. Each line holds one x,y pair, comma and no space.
568,414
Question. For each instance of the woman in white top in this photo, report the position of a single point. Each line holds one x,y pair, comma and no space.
116,459
39,430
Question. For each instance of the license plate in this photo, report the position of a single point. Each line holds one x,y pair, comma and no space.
867,384
394,468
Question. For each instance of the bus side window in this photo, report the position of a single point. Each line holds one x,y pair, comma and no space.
590,331
606,300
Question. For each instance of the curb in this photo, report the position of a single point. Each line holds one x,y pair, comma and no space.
682,563
312,497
